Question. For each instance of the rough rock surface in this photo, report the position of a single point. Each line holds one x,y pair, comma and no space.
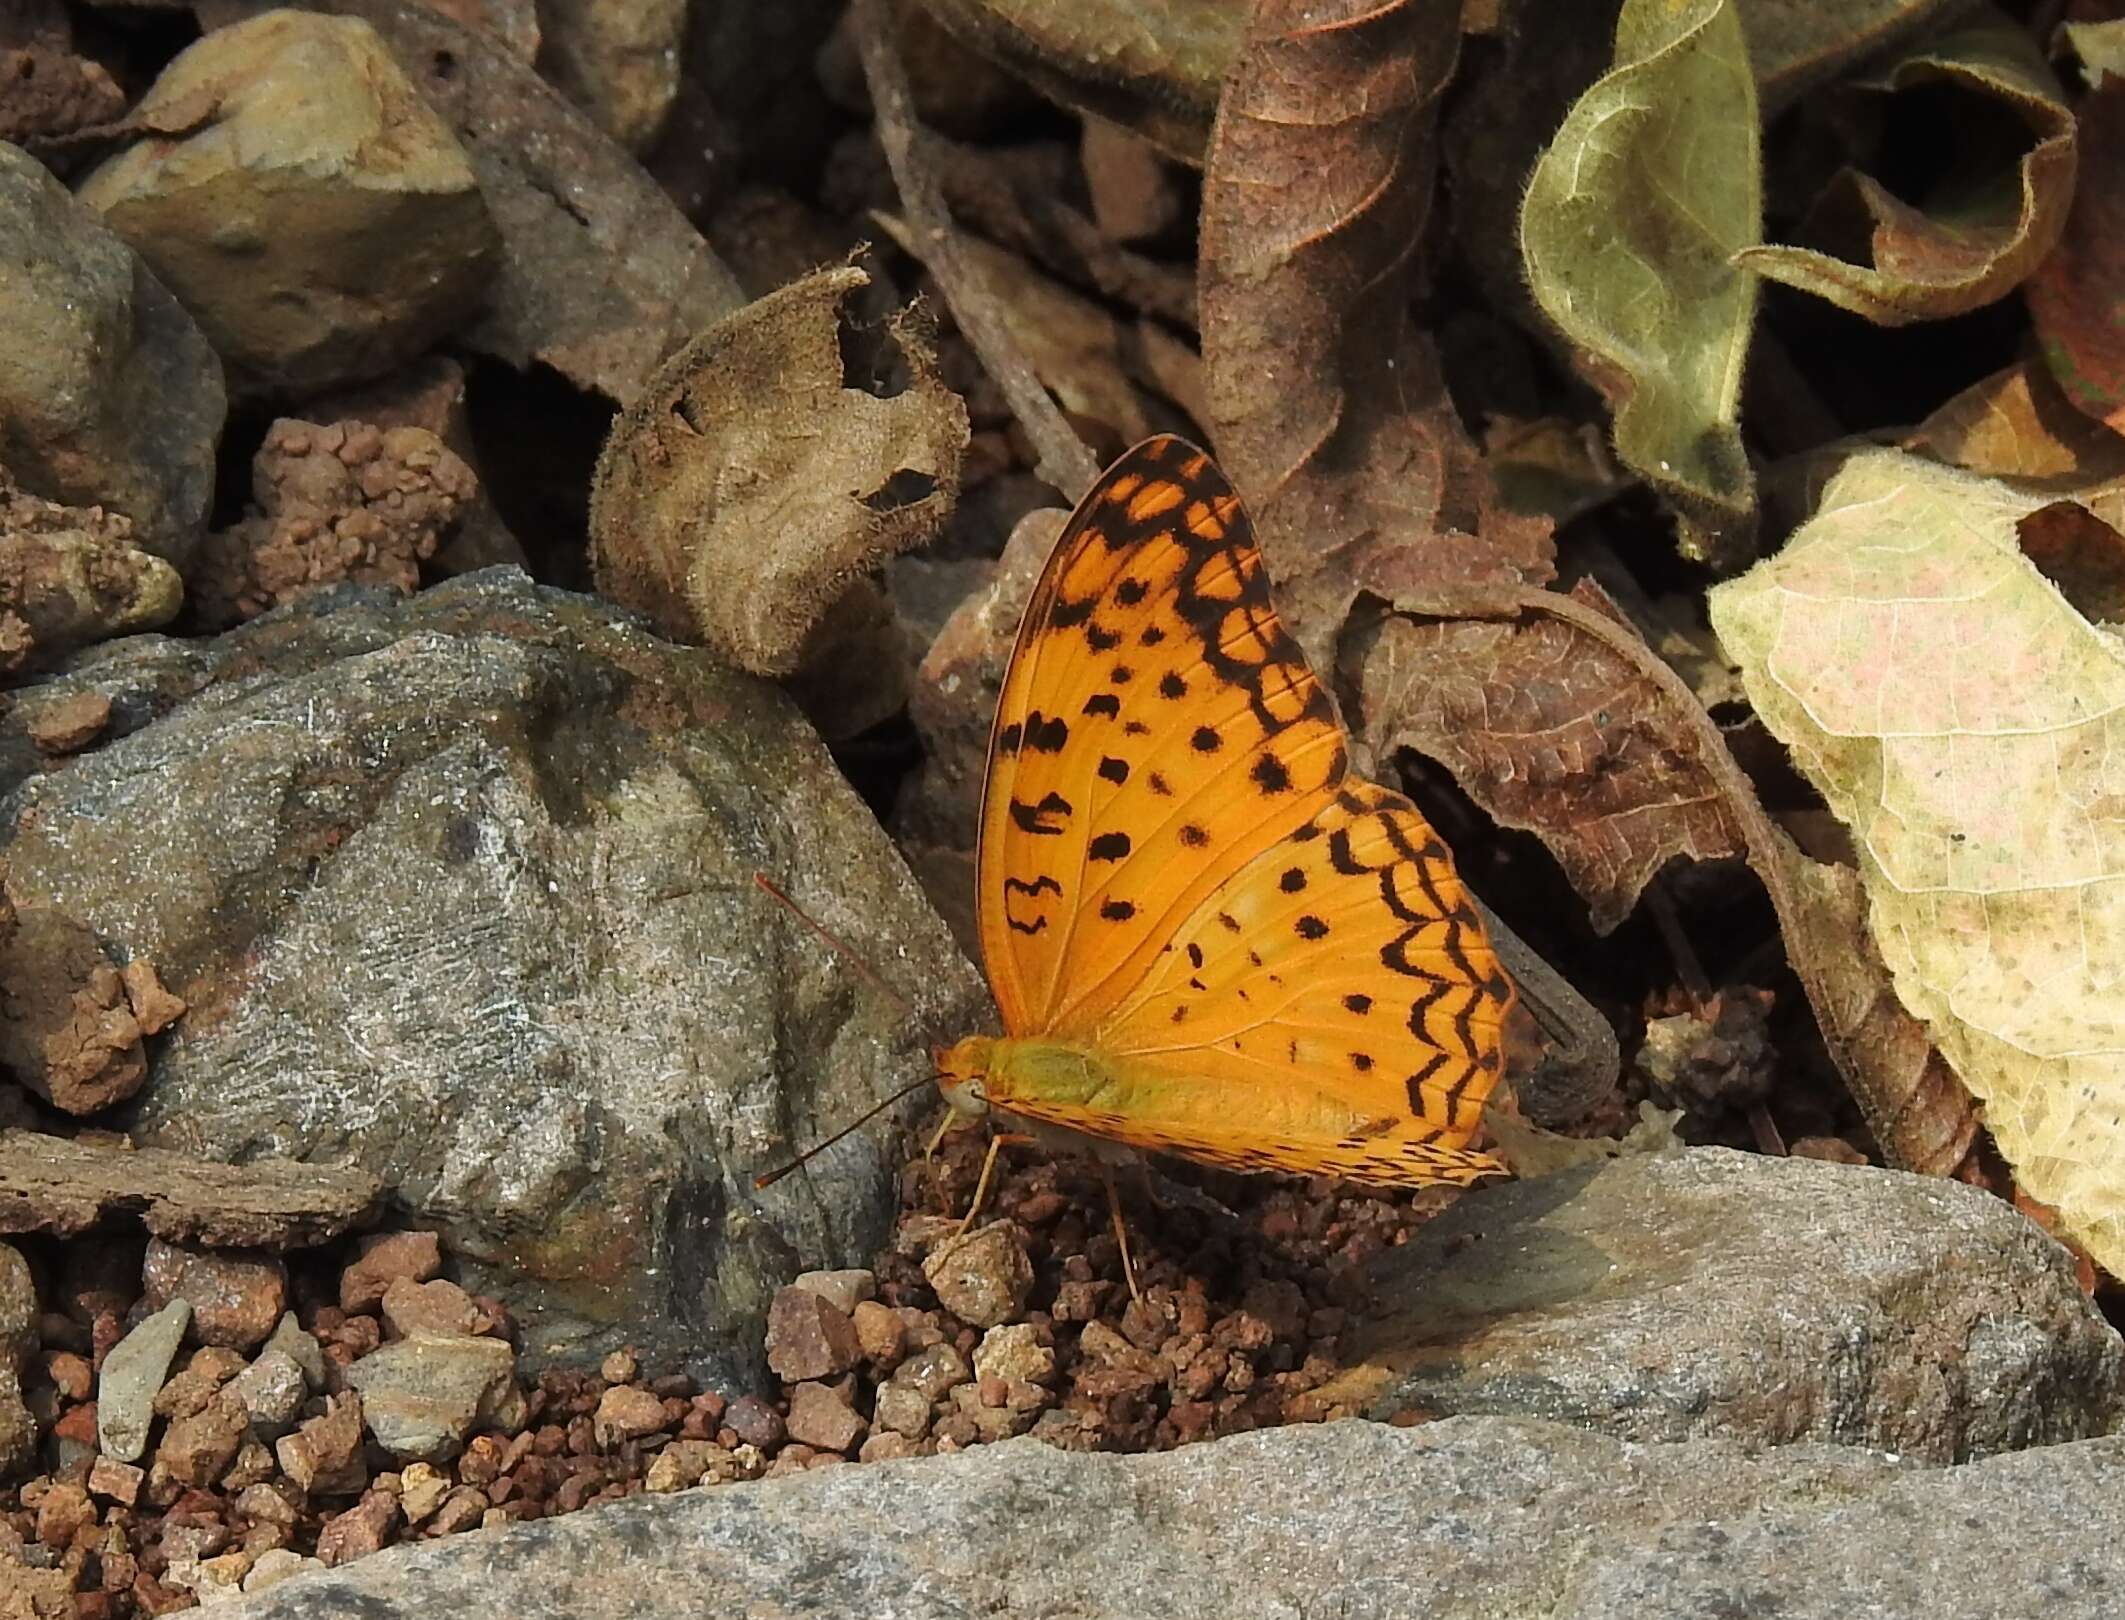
459,890
322,223
1465,1519
109,395
1720,1293
18,1337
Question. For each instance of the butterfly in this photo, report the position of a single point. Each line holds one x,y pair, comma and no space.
1205,935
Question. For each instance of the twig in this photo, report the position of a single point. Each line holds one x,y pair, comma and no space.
1063,459
1009,206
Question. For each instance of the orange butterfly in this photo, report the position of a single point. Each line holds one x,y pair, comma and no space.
1204,934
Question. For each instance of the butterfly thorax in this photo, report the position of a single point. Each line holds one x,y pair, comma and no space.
985,1070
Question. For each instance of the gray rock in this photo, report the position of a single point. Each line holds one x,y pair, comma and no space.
324,225
132,1376
18,1338
301,1347
1465,1519
109,394
421,1396
465,884
272,1390
1720,1293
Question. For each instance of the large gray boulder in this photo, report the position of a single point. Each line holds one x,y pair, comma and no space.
1466,1519
1710,1292
459,890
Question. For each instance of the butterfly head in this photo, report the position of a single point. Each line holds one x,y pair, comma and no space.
963,1074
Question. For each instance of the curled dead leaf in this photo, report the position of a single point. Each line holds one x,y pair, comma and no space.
750,483
1629,231
1327,408
2076,298
1968,248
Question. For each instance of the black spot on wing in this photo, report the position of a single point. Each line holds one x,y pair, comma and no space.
1293,880
1114,770
1130,592
1270,775
1101,639
1007,740
1359,1004
1310,927
1206,740
1172,686
1104,705
1111,846
1193,836
1041,818
1045,736
1117,910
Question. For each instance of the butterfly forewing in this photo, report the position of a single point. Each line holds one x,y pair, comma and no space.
1177,870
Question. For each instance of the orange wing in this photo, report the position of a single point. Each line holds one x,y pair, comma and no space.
1177,870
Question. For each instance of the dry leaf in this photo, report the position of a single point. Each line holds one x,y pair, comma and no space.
749,484
2018,424
1986,794
1629,231
1149,65
1965,248
2077,297
1327,408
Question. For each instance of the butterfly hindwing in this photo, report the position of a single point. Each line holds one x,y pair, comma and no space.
1178,874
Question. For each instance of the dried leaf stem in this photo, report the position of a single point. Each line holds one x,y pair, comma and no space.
1064,460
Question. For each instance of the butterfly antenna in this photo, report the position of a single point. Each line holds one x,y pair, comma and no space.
869,1114
841,948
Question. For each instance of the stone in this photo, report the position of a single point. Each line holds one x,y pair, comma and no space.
118,1481
437,1307
1710,1292
1512,1517
300,1347
325,224
618,60
819,1417
626,1413
423,1395
880,1333
324,1455
70,725
931,1372
755,1423
844,1290
421,1489
809,1337
686,1463
984,1277
236,1298
18,1339
901,1408
188,1391
272,1390
132,1376
1014,1351
385,1258
220,1579
109,394
362,1529
63,1511
197,1449
537,761
274,1566
888,1447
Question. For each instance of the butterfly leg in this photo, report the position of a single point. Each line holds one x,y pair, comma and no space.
988,1169
1121,1231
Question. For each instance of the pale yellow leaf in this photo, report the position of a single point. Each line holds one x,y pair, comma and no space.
1968,726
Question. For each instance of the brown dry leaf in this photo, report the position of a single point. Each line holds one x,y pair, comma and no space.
1894,263
749,484
2077,296
1556,732
1327,409
2018,424
1555,717
1962,719
1149,65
